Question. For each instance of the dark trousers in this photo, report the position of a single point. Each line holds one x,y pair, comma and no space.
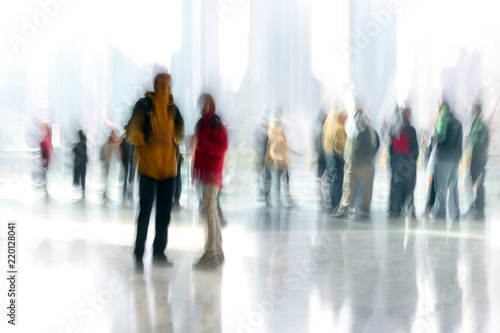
79,175
477,169
178,182
403,181
148,189
335,167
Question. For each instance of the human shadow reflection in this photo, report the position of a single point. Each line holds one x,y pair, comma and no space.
151,301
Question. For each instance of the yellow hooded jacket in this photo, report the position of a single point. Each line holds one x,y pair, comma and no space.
334,136
157,158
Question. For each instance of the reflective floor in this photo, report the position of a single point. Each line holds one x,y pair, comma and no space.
285,271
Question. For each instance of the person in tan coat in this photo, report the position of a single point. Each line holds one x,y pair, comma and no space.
277,159
360,152
155,129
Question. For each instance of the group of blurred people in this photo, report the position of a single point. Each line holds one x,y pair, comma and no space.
350,152
349,144
150,146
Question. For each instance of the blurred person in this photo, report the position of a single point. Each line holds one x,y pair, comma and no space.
112,147
277,160
319,125
265,179
360,151
45,150
333,143
430,159
448,145
80,165
178,180
477,156
127,158
210,144
155,129
403,153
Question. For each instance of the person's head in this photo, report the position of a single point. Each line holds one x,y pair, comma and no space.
81,135
206,104
339,115
445,108
358,115
476,109
342,117
407,113
162,84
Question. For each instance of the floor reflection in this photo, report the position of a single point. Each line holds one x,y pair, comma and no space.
285,271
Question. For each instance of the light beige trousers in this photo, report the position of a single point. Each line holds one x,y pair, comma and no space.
213,235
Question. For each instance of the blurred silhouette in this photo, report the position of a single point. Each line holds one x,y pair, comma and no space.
80,167
319,125
127,157
45,151
430,159
448,138
210,144
262,139
112,147
403,153
277,160
178,180
477,155
361,148
333,143
155,129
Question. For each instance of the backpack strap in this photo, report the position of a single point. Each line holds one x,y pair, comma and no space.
145,106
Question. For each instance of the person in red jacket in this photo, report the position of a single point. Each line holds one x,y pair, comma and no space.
46,146
210,142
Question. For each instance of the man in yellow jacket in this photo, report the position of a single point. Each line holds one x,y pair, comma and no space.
155,129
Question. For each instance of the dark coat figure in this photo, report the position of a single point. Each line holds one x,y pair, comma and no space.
318,143
359,170
477,149
81,160
448,143
127,155
265,177
403,152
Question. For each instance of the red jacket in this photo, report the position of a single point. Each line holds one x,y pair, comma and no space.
45,147
211,146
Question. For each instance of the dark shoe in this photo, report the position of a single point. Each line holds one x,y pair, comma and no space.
358,216
479,216
393,215
162,260
138,262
